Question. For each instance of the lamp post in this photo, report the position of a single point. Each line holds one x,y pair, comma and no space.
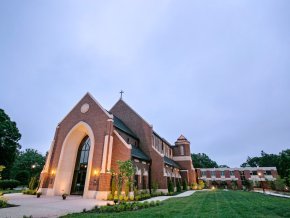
262,184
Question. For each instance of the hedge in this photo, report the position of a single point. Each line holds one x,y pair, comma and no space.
9,184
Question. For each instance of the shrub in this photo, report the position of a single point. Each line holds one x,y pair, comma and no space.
154,187
223,184
184,185
29,192
3,202
9,184
194,186
280,184
33,183
178,187
137,197
121,198
234,184
125,207
131,198
170,186
248,184
201,184
110,197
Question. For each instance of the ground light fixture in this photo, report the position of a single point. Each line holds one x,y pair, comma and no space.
262,184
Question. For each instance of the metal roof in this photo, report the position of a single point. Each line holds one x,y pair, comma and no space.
138,153
122,126
171,162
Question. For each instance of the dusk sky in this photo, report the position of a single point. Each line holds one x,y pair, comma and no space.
217,72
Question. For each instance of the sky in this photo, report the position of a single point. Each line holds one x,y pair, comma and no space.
217,72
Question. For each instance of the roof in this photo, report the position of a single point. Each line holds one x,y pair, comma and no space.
170,162
122,126
163,139
138,153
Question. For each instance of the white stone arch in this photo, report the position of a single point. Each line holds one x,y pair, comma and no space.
66,164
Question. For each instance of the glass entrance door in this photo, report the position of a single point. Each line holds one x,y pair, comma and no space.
79,179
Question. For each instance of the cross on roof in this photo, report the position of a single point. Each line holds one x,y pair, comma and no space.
121,93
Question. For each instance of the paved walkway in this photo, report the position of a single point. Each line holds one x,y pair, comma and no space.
46,206
274,194
54,206
162,198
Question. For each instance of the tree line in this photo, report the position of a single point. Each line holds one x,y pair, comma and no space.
14,163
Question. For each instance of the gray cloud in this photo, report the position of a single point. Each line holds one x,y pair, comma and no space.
218,72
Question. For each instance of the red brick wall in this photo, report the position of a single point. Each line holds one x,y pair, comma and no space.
144,132
96,118
119,152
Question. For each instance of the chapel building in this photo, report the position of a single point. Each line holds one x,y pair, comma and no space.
90,140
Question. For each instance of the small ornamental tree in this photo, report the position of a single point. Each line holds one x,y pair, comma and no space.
33,183
178,186
170,186
113,185
184,184
124,176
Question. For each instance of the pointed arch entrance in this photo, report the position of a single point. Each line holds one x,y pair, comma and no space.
81,166
68,160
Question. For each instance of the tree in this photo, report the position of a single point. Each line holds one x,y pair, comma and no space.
201,160
1,169
224,166
124,176
281,161
284,164
29,161
9,146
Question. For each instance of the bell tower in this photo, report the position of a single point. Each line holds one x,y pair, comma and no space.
182,155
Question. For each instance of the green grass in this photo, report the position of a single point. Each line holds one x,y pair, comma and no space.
211,204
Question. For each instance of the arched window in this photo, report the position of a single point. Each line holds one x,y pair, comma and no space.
181,150
78,183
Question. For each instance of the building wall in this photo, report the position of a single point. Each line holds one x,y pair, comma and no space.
248,174
144,131
97,120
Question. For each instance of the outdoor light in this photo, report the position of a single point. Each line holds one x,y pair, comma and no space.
96,172
33,166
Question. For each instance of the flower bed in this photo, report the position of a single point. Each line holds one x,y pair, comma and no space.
125,206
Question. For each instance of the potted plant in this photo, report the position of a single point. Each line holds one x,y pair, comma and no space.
38,194
64,196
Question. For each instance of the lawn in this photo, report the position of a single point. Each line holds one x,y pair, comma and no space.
211,204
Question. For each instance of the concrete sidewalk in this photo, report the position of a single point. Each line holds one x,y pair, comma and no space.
274,194
162,198
46,206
